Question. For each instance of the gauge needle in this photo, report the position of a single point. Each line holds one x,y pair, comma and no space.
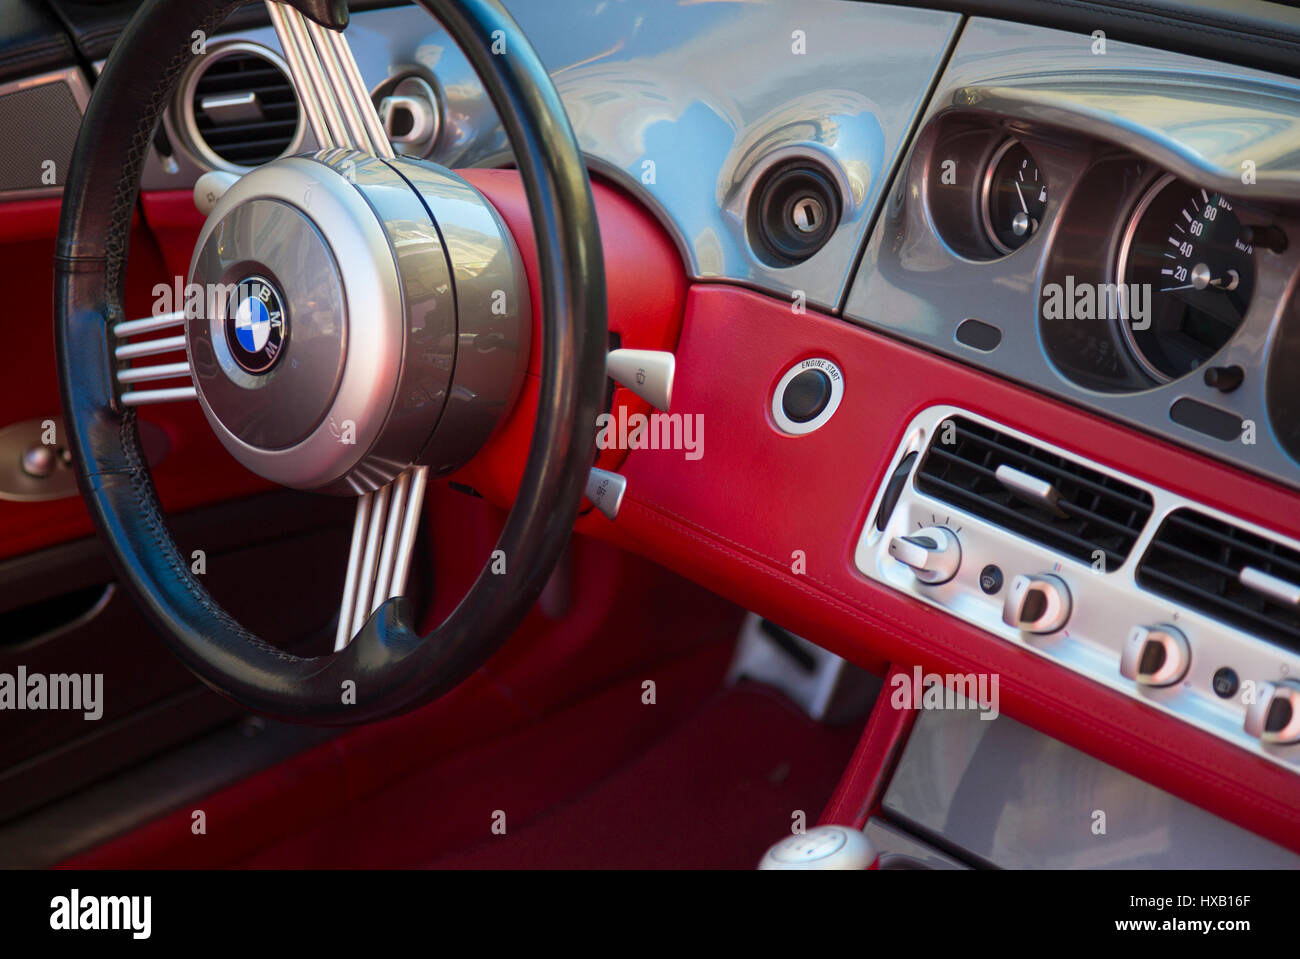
1020,194
1203,279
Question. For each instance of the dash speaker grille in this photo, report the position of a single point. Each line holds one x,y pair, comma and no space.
37,124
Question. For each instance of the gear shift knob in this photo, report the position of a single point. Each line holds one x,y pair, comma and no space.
823,847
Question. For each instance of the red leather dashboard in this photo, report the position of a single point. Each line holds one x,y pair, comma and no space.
733,518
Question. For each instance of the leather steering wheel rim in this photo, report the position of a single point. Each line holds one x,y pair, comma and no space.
393,668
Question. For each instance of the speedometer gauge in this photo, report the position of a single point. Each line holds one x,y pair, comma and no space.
1186,277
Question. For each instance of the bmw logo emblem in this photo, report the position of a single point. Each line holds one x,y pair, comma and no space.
256,324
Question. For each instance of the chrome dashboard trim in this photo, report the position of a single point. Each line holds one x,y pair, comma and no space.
707,92
384,41
1172,110
986,185
1121,275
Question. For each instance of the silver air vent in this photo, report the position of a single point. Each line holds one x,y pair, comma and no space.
1057,501
238,108
1226,572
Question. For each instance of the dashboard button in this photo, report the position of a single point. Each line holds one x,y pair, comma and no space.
806,395
1225,379
991,579
1225,682
978,335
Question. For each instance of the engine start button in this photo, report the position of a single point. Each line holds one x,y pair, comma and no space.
807,396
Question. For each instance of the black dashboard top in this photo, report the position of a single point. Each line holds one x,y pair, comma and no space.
31,40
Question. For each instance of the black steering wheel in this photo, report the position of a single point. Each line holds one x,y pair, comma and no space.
387,667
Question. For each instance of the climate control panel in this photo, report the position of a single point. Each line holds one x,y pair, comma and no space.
1127,583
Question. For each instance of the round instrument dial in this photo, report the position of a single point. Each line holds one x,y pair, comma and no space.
1186,277
1014,197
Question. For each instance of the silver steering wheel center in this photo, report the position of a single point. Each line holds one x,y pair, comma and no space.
349,316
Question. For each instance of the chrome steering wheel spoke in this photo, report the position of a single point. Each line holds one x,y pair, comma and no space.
342,115
128,376
379,559
334,98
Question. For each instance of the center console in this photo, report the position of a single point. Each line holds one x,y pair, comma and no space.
1192,611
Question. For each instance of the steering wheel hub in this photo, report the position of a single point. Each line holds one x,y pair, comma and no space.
330,298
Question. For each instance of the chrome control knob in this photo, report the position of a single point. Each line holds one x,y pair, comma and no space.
1037,604
1155,655
1274,717
933,553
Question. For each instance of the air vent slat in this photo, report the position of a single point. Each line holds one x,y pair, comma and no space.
1269,556
1074,509
245,145
237,132
1206,562
1047,464
1197,560
1101,514
1237,614
249,141
965,500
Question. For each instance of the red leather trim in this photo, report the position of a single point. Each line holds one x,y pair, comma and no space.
175,222
732,519
863,783
646,294
22,220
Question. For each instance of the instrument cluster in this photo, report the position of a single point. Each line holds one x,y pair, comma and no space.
1149,275
1074,263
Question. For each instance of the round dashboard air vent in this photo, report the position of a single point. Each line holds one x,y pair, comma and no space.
239,108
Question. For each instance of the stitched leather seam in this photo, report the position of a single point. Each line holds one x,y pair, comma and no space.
114,263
